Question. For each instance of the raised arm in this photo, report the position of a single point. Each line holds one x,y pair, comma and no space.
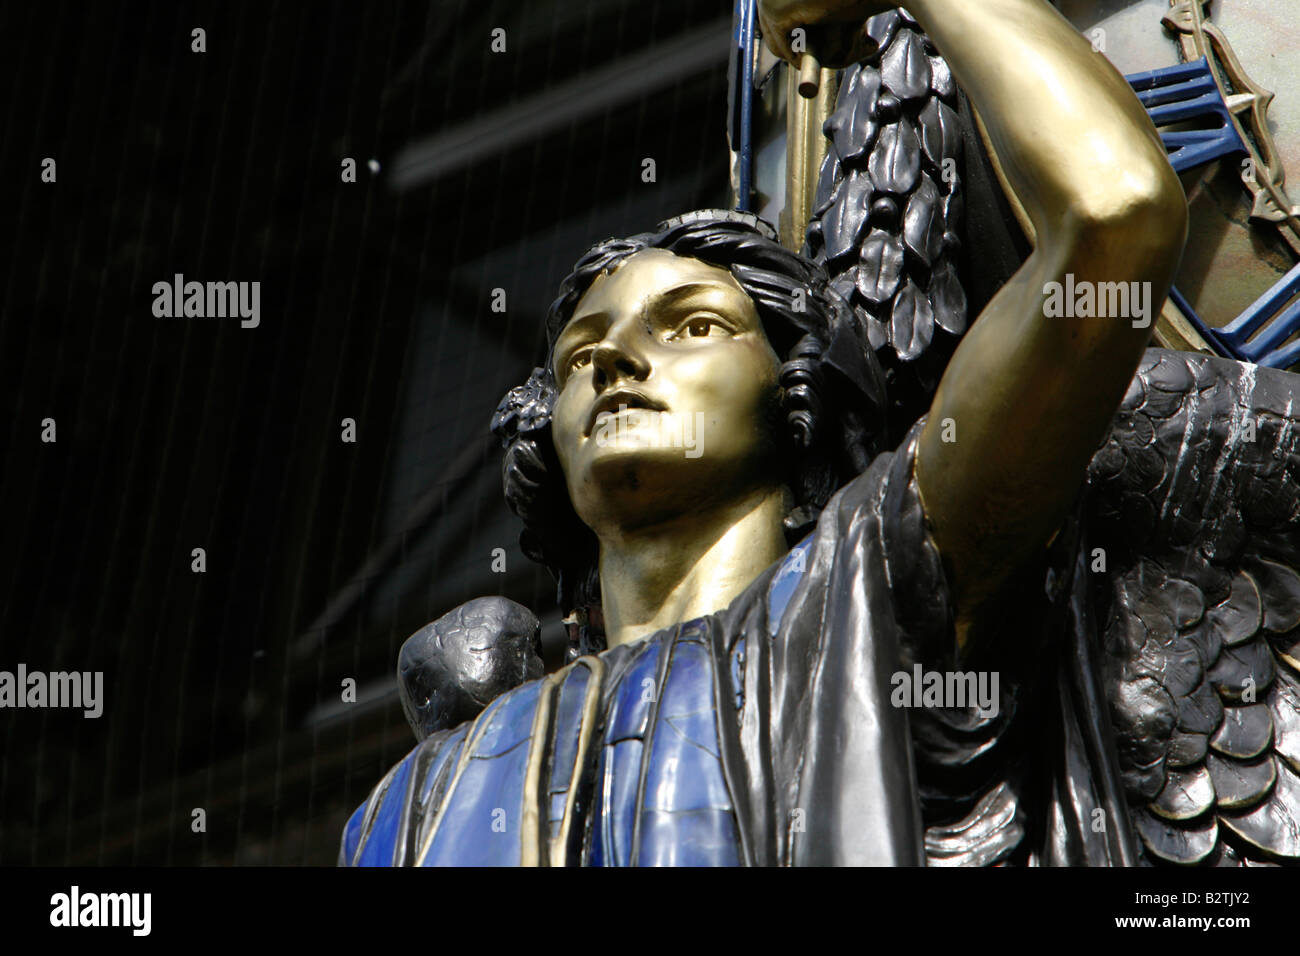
1030,392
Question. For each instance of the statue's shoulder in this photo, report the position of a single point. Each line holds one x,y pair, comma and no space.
449,670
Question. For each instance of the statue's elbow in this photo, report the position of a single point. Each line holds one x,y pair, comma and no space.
1162,208
1140,213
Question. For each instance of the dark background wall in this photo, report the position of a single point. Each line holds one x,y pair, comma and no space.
476,170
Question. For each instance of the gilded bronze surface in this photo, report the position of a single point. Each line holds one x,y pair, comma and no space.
1028,398
805,150
667,347
776,516
1031,397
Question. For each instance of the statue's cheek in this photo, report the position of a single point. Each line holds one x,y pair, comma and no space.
566,429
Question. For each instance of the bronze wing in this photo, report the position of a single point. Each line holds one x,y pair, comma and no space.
1193,519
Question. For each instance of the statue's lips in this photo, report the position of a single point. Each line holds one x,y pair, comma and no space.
616,401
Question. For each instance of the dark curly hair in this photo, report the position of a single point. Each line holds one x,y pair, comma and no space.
832,393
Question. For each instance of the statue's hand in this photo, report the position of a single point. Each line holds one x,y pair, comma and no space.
833,28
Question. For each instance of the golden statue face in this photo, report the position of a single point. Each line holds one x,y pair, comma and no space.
667,393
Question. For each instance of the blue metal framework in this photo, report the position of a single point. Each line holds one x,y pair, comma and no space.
1270,320
1187,92
1172,96
742,99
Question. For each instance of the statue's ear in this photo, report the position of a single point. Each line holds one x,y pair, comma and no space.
448,671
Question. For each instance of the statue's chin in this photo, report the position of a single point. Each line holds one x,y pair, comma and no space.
646,442
625,466
641,467
630,486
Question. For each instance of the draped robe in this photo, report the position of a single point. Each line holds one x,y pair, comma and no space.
766,733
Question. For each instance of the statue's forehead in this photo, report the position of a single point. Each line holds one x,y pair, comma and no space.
645,273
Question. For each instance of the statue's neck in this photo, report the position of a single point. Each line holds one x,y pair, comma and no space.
655,577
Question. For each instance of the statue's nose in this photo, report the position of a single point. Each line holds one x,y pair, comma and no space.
618,356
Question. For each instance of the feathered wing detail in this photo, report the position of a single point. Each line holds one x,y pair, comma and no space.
1193,513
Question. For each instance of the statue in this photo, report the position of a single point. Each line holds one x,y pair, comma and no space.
1052,621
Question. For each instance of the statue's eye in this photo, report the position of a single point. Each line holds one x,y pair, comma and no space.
699,326
579,359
